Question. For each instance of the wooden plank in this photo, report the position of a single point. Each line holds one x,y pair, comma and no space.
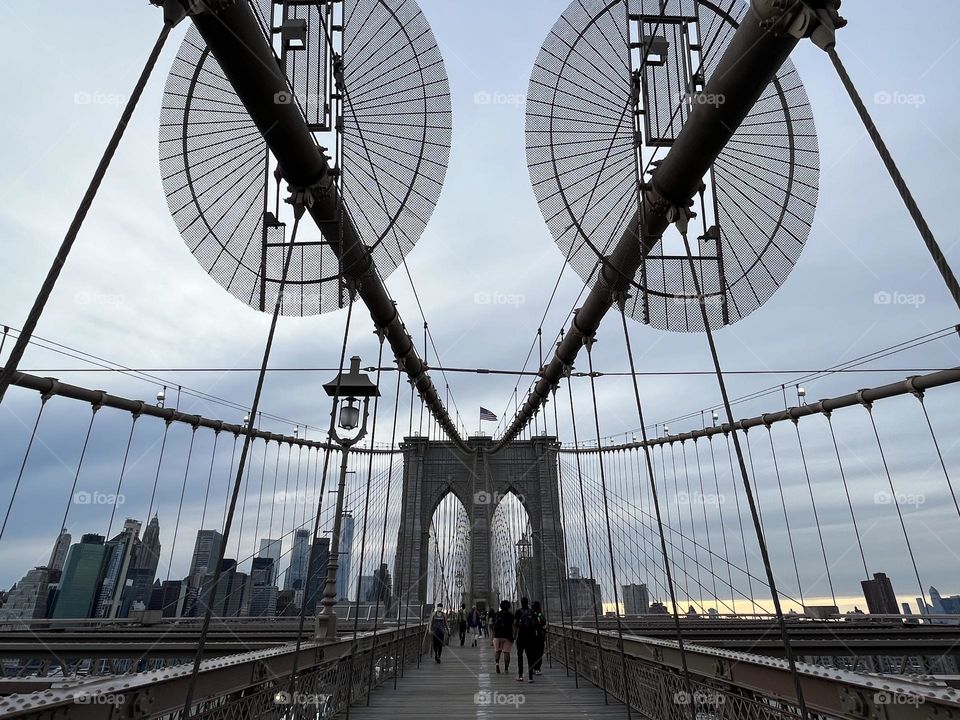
464,685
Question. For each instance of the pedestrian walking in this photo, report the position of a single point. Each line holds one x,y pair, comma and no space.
462,624
539,636
473,623
503,635
525,633
438,629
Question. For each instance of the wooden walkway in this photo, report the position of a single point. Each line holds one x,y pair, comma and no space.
465,686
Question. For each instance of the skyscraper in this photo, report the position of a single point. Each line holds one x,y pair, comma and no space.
143,570
879,594
636,599
271,549
118,552
28,598
383,586
263,591
299,557
206,550
231,593
319,560
346,552
61,547
81,577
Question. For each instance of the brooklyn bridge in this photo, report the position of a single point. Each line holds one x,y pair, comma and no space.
718,469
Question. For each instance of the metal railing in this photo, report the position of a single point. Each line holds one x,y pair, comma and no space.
736,685
249,685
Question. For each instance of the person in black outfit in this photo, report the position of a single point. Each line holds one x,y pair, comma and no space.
462,624
438,629
525,630
540,637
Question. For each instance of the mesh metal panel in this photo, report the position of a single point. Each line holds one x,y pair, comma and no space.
396,125
395,141
583,154
213,166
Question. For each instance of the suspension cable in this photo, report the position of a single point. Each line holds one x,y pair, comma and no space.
251,419
764,553
668,571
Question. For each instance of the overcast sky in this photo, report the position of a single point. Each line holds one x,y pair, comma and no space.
132,293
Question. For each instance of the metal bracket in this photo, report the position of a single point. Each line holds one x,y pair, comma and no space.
818,20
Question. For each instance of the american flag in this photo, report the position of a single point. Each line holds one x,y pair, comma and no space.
487,415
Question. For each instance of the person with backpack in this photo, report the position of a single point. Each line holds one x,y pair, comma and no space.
539,636
438,629
503,635
473,622
525,632
462,624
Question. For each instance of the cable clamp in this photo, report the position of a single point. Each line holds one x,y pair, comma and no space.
818,20
914,390
863,401
54,388
139,411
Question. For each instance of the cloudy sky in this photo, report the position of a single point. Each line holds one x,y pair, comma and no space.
132,293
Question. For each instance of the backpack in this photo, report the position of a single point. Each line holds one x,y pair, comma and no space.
438,624
525,620
502,625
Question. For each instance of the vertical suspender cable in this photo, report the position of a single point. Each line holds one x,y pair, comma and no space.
586,534
23,464
816,515
786,517
761,540
671,588
381,588
251,419
606,516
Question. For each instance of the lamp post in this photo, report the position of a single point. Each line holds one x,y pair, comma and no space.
347,390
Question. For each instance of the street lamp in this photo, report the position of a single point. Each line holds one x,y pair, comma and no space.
348,390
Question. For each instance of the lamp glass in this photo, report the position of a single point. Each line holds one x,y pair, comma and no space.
350,415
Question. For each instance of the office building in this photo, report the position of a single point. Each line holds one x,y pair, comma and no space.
118,553
82,573
636,599
61,547
346,554
879,594
27,600
319,561
263,591
299,558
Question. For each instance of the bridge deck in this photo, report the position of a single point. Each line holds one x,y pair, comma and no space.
465,685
